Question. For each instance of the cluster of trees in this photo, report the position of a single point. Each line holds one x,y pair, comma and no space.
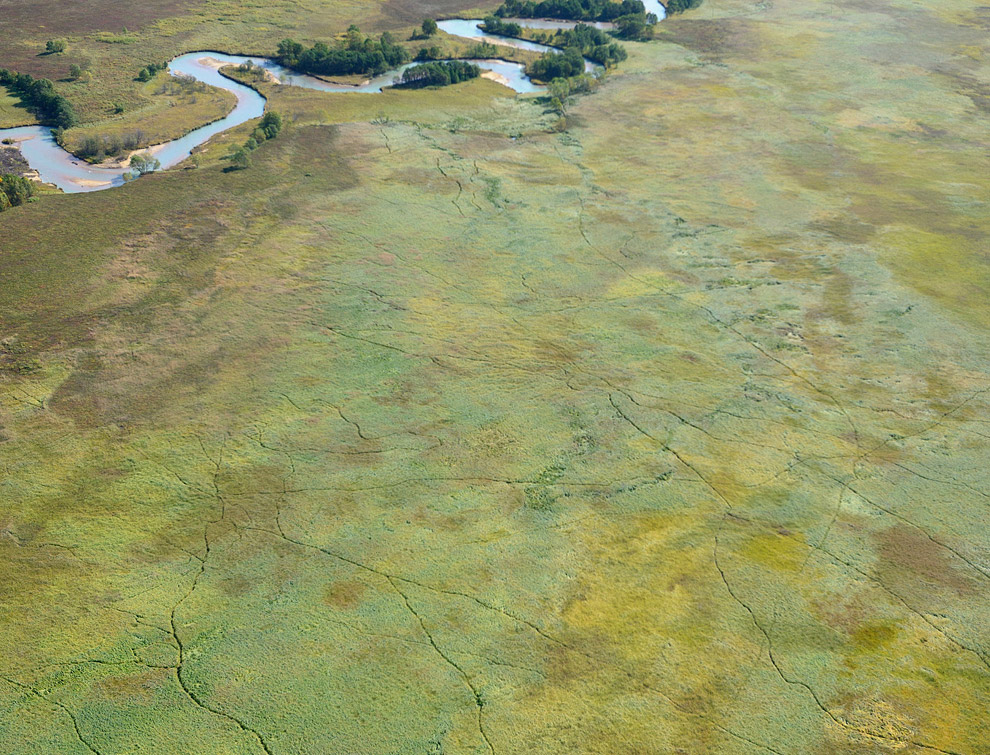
552,65
41,98
483,50
433,52
148,72
251,70
592,43
355,54
14,191
577,10
495,25
182,83
98,147
54,46
439,74
268,128
559,90
679,6
636,25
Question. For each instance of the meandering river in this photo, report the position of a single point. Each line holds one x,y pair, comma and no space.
72,175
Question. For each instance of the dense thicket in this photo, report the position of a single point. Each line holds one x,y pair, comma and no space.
356,54
679,6
592,43
439,74
41,98
552,65
14,191
578,10
495,25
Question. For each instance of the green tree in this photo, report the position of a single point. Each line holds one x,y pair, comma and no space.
632,26
75,71
271,124
144,162
241,159
144,75
429,27
55,46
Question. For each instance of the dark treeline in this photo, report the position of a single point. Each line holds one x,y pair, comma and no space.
268,128
356,54
439,74
679,6
495,25
592,43
552,65
577,10
41,98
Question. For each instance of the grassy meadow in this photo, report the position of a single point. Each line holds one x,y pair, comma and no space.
438,430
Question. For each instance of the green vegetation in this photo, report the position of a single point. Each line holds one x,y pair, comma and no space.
177,104
679,6
14,191
590,42
439,74
98,147
143,163
495,25
427,29
438,431
41,98
355,54
552,65
148,72
636,26
54,46
269,127
577,10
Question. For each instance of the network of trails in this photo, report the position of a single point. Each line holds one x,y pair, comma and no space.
438,431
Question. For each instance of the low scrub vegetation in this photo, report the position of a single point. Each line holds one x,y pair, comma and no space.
355,54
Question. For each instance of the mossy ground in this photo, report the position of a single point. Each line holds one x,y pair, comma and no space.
434,431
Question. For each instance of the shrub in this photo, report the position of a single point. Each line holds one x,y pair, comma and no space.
55,46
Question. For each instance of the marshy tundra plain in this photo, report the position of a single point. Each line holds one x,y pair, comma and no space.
461,422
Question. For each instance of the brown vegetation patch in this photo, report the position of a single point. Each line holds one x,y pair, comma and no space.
47,19
712,38
906,550
345,594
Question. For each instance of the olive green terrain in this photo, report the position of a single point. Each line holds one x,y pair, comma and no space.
439,431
